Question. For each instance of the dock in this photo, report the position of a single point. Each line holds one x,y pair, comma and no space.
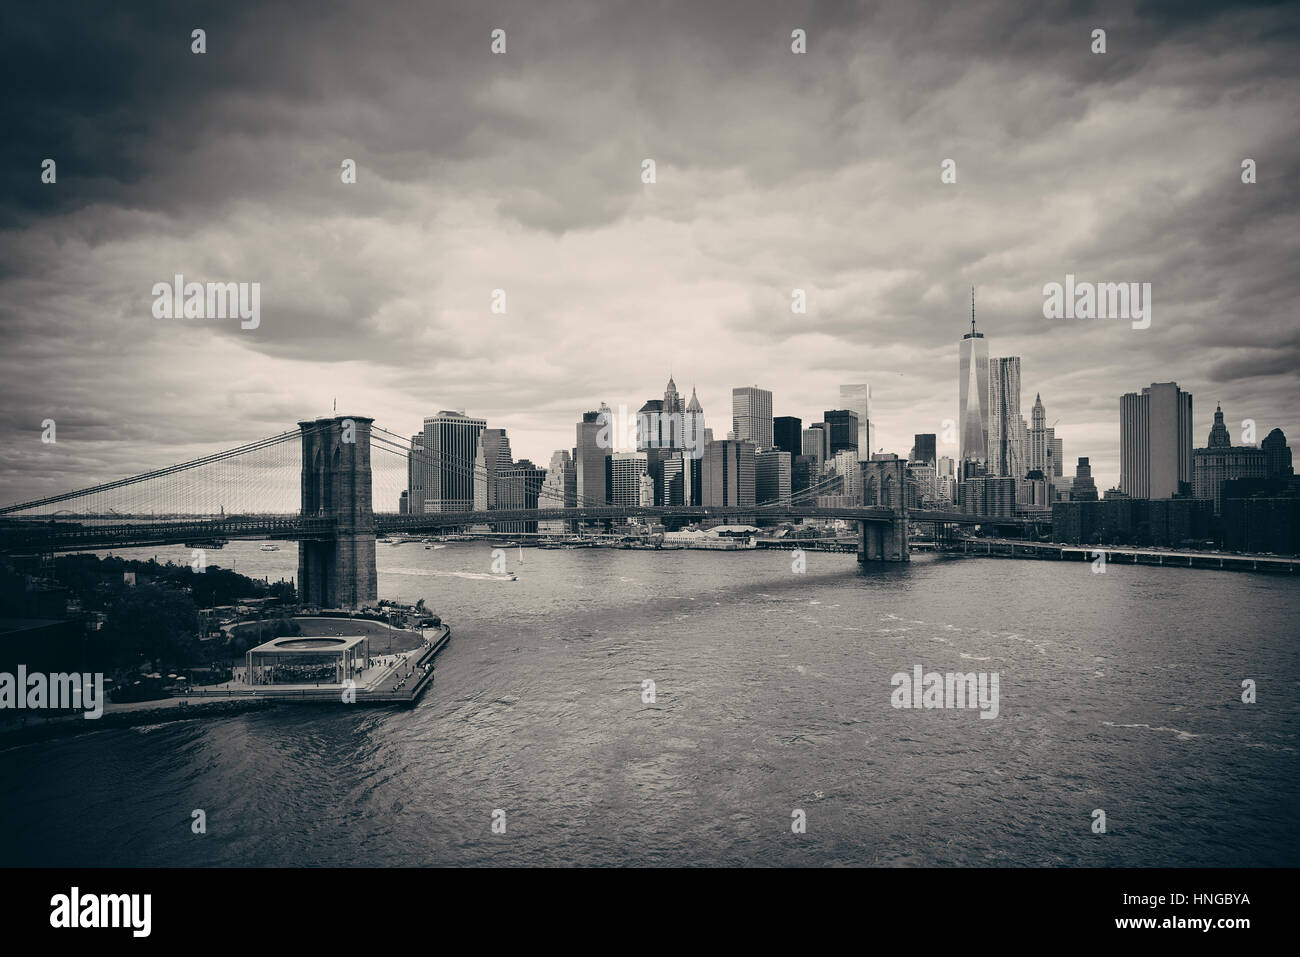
402,685
1123,554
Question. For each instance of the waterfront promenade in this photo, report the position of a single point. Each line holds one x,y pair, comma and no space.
1124,554
396,678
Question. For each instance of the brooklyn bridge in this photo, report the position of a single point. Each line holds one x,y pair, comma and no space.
248,492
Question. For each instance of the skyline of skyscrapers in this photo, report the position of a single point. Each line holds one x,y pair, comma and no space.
1024,452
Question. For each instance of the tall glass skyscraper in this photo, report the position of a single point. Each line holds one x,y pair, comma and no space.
857,399
973,395
843,432
787,433
1006,454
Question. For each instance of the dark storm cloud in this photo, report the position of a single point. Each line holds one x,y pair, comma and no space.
523,171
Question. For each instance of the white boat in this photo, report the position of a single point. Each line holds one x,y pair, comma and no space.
270,548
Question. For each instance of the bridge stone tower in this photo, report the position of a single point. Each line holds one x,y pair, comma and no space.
338,572
884,482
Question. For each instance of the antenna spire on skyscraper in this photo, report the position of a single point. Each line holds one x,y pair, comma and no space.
972,310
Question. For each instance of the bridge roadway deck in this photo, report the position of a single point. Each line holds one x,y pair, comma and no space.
70,534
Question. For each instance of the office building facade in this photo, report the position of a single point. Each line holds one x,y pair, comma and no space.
923,448
1155,453
452,451
841,431
972,397
626,469
592,457
728,473
1221,461
857,399
560,490
773,477
751,416
1005,426
1083,488
787,434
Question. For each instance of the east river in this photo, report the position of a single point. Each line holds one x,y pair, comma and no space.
1119,692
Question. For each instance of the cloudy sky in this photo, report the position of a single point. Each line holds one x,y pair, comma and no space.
523,172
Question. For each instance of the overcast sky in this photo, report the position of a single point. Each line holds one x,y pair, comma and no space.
523,172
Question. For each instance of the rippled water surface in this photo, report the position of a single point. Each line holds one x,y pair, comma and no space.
1118,691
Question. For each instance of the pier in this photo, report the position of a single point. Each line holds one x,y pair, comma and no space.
400,683
1122,554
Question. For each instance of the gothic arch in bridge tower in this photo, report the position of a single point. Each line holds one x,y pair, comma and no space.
885,538
338,570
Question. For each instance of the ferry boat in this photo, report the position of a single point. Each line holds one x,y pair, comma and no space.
270,548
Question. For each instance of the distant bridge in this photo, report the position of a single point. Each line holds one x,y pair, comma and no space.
329,460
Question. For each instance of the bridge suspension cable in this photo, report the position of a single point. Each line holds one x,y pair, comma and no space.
168,491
